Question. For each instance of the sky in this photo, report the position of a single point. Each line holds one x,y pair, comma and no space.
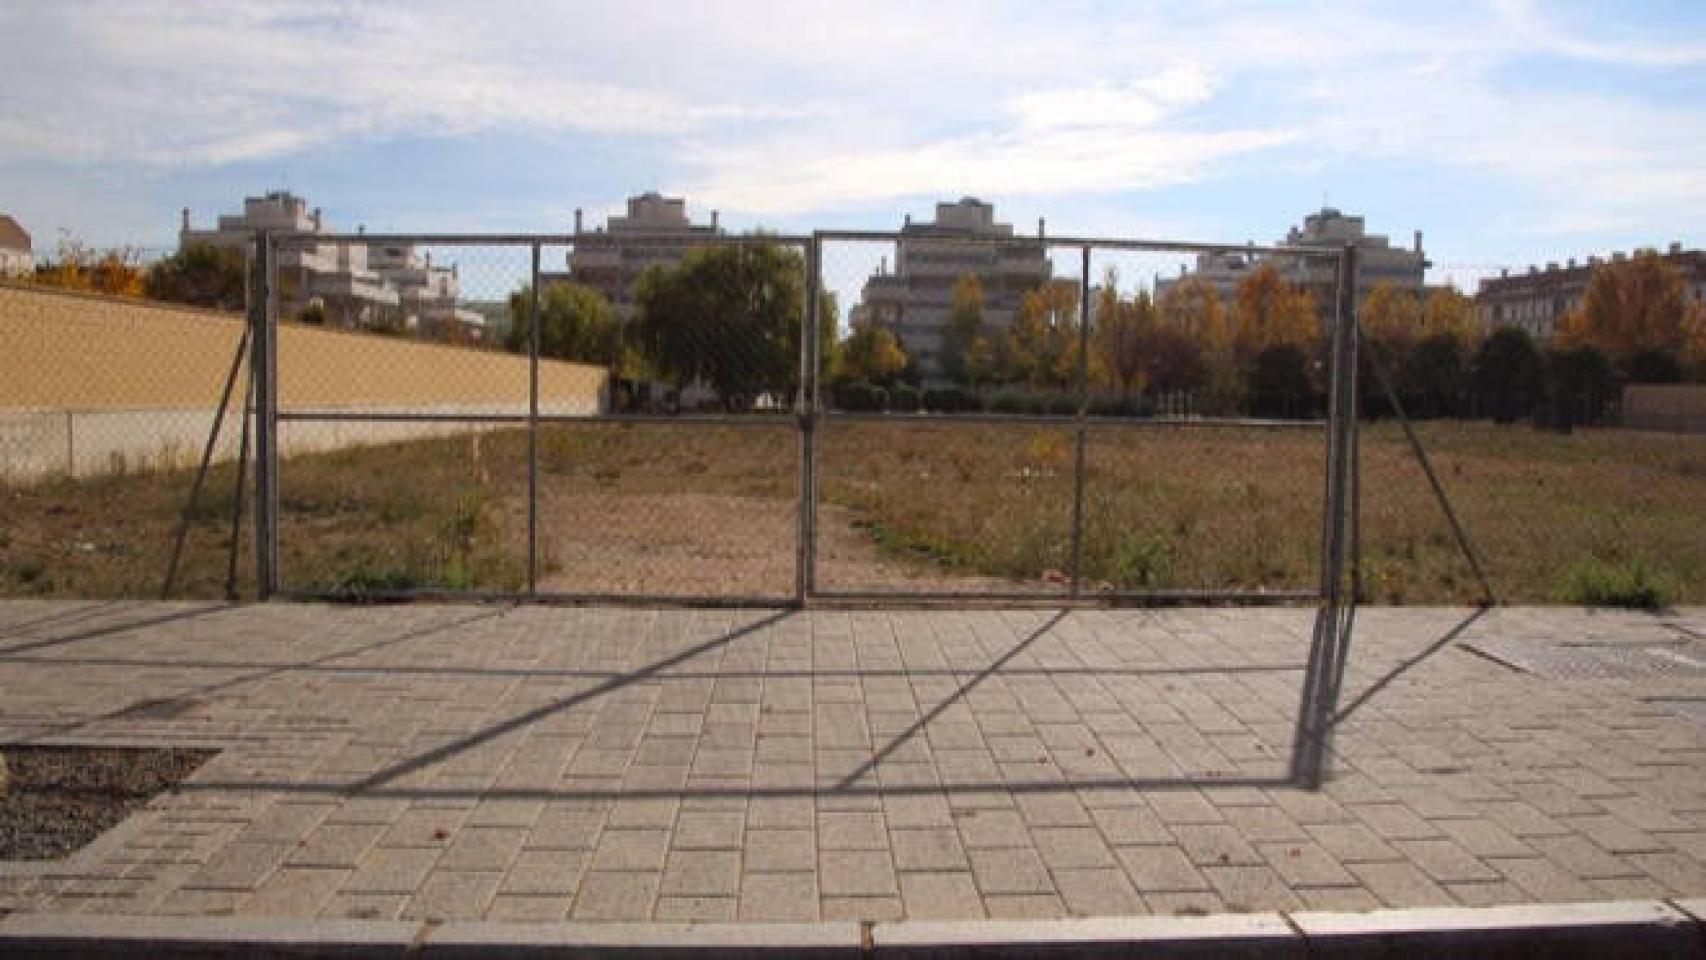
1510,132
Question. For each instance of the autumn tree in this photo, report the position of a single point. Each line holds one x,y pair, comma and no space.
1270,312
1041,347
871,353
1448,312
1122,342
575,323
1631,306
1193,308
957,356
79,267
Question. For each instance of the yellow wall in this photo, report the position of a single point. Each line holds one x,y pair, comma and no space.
70,351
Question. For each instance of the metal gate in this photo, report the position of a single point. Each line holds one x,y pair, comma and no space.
1057,431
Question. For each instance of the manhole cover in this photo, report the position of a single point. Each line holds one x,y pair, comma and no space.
1609,661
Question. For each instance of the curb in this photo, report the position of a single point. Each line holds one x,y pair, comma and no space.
1593,931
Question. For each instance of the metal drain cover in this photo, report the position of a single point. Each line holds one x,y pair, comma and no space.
1612,661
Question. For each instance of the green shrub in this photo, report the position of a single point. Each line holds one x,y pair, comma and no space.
1008,403
905,399
860,396
950,400
1597,583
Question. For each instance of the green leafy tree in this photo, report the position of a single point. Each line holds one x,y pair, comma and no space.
1507,375
730,315
575,323
1438,374
1579,386
200,274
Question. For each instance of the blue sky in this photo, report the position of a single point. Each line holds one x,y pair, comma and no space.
1509,132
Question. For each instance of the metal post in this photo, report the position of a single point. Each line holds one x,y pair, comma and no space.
1315,712
237,496
201,471
263,312
533,427
806,412
1077,569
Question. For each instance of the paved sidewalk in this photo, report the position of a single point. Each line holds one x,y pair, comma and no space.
545,764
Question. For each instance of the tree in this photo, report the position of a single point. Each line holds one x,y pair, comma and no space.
1279,381
1269,312
1122,342
1579,385
1437,370
963,330
575,323
203,275
1192,307
1507,375
872,354
1449,312
1637,305
730,315
1042,344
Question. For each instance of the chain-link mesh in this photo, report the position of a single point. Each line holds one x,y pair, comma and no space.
948,458
105,408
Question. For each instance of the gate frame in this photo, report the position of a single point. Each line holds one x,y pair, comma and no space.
810,415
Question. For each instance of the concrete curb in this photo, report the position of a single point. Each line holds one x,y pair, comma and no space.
1648,928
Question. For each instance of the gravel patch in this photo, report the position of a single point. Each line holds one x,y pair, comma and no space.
56,799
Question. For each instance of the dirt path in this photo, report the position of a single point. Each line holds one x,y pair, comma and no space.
709,545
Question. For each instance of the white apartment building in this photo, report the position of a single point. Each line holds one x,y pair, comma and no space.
16,257
655,232
429,297
914,300
333,276
1327,231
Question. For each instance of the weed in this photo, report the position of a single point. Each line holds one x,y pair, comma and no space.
1598,583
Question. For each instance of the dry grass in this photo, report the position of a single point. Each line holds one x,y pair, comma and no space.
1189,507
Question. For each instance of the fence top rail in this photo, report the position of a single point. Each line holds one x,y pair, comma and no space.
1150,245
1140,244
293,239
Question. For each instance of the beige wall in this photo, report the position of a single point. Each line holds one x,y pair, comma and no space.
91,384
1680,407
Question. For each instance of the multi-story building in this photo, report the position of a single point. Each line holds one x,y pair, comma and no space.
655,232
1537,300
333,276
16,257
1309,261
429,297
914,300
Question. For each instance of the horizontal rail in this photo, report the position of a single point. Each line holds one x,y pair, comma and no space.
1067,419
829,599
772,420
1096,243
290,240
543,597
1092,599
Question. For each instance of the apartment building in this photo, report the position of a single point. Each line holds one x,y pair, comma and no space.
656,231
916,297
1310,261
16,257
1537,299
354,284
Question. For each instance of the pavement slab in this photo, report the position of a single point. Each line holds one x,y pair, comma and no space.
537,764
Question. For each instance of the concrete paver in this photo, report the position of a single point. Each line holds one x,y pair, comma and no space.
538,764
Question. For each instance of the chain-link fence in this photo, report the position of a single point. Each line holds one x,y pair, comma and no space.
1011,416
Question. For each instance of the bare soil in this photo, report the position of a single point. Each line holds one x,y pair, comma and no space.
692,544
